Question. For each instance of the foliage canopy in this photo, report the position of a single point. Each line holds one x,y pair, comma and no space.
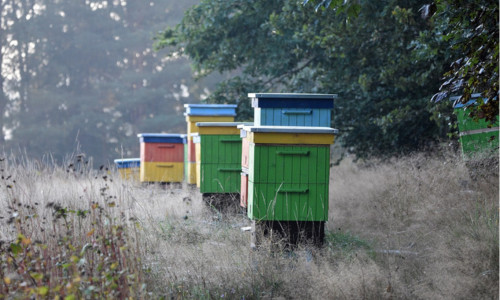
385,60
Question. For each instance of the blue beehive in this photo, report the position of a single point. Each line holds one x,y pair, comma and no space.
210,109
203,113
129,167
291,109
128,163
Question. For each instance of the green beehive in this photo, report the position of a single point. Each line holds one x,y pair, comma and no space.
218,157
476,137
289,170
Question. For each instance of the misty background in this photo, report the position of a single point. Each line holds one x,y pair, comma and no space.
81,76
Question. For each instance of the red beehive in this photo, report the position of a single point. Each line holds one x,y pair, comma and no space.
159,152
244,190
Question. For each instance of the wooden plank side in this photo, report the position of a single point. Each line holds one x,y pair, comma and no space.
158,152
191,173
296,163
220,178
323,154
291,138
222,149
251,161
466,123
218,130
186,162
198,154
244,190
282,202
198,174
318,117
277,117
324,118
480,142
245,152
251,200
130,173
257,117
162,172
289,163
231,145
304,173
191,151
312,166
195,119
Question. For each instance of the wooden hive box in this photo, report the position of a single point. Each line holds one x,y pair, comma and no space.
203,113
129,168
185,144
218,157
162,157
245,151
244,189
476,137
291,109
288,174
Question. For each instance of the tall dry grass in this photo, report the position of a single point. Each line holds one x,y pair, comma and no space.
441,223
415,227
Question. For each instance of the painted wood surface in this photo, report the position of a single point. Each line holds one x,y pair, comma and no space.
173,138
244,190
290,138
162,172
191,173
466,123
162,152
129,168
192,120
320,117
191,151
287,202
288,182
210,109
198,175
128,163
473,143
218,163
218,130
220,178
130,173
292,109
186,161
192,128
220,149
295,164
292,103
476,136
245,152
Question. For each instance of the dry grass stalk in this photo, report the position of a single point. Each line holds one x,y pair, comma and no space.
416,227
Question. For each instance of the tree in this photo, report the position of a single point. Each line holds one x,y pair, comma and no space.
285,46
471,28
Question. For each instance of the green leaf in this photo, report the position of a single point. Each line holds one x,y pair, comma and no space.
43,290
16,248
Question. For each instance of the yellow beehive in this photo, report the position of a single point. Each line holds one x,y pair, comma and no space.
162,171
203,113
129,168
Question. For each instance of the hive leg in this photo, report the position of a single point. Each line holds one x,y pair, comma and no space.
223,203
288,234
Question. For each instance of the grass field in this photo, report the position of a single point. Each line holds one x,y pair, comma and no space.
419,227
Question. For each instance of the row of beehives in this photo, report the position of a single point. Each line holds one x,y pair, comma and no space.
279,165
